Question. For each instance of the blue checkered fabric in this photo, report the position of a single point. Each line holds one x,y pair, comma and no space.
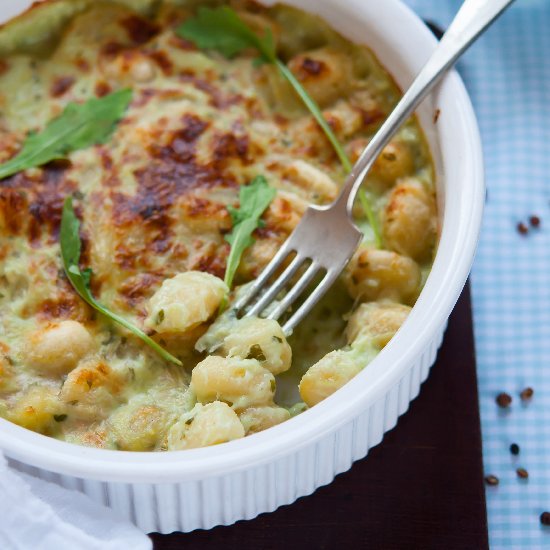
508,76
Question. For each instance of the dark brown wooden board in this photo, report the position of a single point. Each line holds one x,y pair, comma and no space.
421,488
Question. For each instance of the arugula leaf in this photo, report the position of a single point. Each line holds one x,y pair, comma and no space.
371,217
315,110
77,127
254,199
80,279
221,29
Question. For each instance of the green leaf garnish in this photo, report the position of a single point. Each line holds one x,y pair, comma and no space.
71,247
254,199
77,127
315,110
371,217
221,29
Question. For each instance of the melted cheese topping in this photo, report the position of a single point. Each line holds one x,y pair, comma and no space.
153,201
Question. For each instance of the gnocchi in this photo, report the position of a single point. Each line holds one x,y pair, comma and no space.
57,348
258,419
328,375
138,428
205,425
92,389
185,301
396,161
409,220
38,409
239,382
376,322
317,184
324,72
260,339
381,274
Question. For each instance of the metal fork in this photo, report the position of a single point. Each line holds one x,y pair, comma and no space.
326,238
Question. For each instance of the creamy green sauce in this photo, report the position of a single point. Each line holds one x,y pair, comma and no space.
320,333
134,406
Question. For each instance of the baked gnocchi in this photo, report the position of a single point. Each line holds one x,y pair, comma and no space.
184,302
205,425
57,348
239,382
158,204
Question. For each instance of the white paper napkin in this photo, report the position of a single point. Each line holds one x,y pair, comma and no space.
38,515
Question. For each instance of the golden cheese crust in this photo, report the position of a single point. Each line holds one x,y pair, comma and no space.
153,201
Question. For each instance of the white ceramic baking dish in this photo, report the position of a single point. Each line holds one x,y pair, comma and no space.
186,490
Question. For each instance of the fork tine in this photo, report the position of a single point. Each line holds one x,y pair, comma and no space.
311,300
276,287
295,291
264,276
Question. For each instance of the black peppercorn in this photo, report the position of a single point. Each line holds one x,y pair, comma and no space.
522,473
534,221
522,228
514,449
526,394
503,400
491,480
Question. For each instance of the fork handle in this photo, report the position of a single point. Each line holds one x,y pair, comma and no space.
469,23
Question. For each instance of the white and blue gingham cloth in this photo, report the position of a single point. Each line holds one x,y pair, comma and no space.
508,76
